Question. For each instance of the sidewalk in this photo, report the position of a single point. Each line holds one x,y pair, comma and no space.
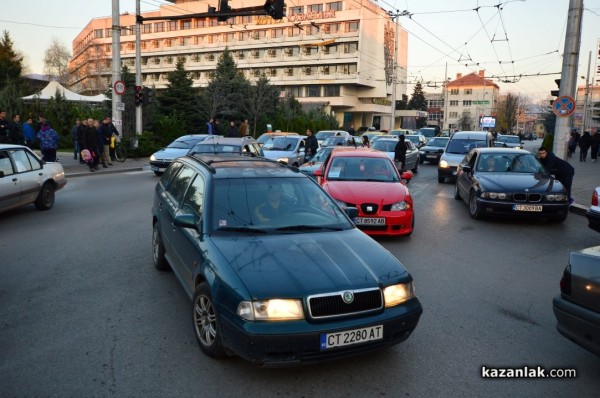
73,168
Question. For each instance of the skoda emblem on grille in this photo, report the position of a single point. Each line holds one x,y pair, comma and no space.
348,297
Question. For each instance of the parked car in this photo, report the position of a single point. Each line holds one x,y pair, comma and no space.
577,308
593,213
508,141
322,135
459,145
267,136
388,146
509,182
26,179
246,146
368,180
288,149
418,140
301,287
433,150
161,159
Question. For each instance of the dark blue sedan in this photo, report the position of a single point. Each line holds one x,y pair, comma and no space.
277,272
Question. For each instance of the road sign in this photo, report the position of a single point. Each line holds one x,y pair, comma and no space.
119,87
563,106
120,106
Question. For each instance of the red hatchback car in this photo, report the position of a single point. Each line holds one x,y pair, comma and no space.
368,180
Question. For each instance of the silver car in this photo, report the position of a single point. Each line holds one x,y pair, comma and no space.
287,149
26,179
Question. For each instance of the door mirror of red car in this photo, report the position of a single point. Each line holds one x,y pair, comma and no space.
407,175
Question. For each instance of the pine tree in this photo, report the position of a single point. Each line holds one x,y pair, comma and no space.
418,101
11,64
180,98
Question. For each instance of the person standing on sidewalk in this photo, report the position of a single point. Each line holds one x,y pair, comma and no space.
106,131
74,139
49,140
584,145
595,146
16,130
29,133
90,142
561,169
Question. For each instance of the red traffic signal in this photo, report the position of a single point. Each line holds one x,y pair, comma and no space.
139,96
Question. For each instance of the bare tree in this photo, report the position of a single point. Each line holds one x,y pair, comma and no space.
56,61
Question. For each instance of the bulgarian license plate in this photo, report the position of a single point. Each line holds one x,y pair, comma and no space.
349,337
431,156
527,207
370,221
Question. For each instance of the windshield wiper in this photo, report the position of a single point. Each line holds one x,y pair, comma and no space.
242,229
308,228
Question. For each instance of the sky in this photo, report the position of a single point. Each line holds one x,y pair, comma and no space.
519,43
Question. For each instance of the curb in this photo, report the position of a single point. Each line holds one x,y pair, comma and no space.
98,172
578,209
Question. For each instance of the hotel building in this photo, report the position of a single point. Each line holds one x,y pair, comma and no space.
337,56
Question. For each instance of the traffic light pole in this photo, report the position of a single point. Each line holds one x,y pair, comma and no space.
116,66
568,77
138,70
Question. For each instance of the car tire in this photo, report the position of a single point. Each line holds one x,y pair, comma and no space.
205,322
415,170
474,210
441,179
158,250
456,191
421,161
158,173
45,198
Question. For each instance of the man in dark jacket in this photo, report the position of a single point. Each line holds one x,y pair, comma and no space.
561,169
312,145
400,153
584,145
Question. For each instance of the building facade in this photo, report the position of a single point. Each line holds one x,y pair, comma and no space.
338,56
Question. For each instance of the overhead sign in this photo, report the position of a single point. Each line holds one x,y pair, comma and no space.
563,106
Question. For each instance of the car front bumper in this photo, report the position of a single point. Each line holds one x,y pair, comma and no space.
294,343
396,223
159,166
578,324
447,172
593,220
490,207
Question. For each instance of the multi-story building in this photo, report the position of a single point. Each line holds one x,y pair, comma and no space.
592,120
336,55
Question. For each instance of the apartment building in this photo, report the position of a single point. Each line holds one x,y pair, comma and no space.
338,56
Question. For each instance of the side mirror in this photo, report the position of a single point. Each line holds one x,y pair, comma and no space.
407,175
186,221
467,169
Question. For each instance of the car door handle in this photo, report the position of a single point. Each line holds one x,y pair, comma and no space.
15,179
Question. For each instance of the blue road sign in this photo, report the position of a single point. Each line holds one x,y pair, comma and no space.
563,106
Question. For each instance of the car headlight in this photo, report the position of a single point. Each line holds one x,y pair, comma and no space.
443,164
558,197
343,205
399,206
152,157
495,195
397,294
283,160
271,310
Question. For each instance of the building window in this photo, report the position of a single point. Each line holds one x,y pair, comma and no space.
185,24
352,26
273,72
213,22
108,32
168,42
308,71
210,57
468,91
453,102
294,91
315,8
336,6
98,33
276,33
334,27
241,54
159,27
259,34
325,50
172,25
435,103
453,115
453,91
467,103
198,40
247,19
272,52
169,60
295,10
289,71
244,36
350,48
325,70
255,54
347,69
156,60
131,46
147,28
108,48
195,57
256,72
294,32
313,91
307,50
196,75
144,46
332,90
289,51
200,23
228,37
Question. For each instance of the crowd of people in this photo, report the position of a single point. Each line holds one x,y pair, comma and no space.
93,142
213,127
586,143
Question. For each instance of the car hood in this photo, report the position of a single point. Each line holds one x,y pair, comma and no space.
366,191
519,182
170,153
279,154
453,159
432,148
296,265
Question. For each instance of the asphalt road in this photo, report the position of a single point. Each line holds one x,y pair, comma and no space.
84,313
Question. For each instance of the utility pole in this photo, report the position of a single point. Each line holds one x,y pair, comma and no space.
587,93
138,68
394,70
568,77
445,96
116,65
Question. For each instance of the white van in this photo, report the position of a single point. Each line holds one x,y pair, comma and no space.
459,145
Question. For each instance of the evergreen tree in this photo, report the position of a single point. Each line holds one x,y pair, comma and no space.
507,113
417,101
180,97
11,64
260,99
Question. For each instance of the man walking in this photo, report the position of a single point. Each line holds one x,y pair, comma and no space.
312,145
561,169
4,129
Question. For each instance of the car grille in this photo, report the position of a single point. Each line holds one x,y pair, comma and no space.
527,197
333,305
366,206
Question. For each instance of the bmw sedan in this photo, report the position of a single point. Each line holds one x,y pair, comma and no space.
26,179
509,182
276,271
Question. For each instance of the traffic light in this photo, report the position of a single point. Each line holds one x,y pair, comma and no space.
274,8
139,96
555,93
223,8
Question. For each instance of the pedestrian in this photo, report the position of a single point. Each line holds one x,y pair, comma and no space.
216,127
400,153
584,145
16,130
80,130
29,133
107,131
365,141
244,128
561,169
209,127
571,145
231,130
90,142
311,146
102,156
595,146
4,128
49,140
74,131
41,121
